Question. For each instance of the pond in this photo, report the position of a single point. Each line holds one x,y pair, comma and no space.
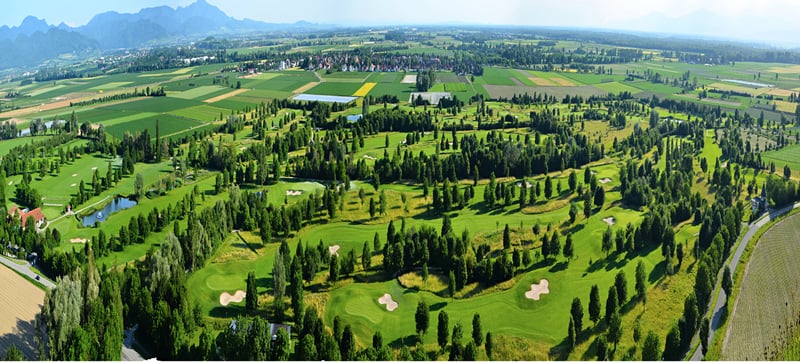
100,216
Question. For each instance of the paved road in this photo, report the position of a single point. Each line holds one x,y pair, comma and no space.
26,270
734,261
128,353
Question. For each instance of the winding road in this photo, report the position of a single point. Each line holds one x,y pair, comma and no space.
25,269
722,298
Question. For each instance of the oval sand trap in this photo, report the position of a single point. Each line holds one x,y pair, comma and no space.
334,250
226,298
538,289
386,299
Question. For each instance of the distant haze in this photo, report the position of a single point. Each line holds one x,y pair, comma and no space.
770,22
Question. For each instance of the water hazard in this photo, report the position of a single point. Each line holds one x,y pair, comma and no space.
118,203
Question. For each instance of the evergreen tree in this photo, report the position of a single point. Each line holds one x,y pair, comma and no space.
651,348
611,302
422,318
477,330
576,314
251,296
594,304
506,238
443,329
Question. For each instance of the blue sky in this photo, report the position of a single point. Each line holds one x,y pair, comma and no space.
767,21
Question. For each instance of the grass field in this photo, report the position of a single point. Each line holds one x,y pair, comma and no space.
168,124
109,86
768,299
200,93
335,89
205,113
400,90
505,77
153,104
616,87
21,302
789,155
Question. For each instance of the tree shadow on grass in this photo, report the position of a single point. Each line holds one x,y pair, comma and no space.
438,306
658,272
408,340
22,336
561,266
263,282
591,351
560,351
227,312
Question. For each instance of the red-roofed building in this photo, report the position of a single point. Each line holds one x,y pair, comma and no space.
23,214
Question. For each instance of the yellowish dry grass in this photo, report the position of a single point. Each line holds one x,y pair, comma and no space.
21,301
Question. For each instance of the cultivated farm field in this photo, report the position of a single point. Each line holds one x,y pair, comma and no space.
21,302
768,302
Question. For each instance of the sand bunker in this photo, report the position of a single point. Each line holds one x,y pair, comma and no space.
605,180
73,184
610,220
294,192
386,299
10,182
369,157
334,250
74,174
538,289
78,240
94,168
409,78
527,184
226,298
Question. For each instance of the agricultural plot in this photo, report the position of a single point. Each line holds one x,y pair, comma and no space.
287,82
168,124
559,92
388,77
346,77
768,301
447,77
616,87
109,86
21,302
399,90
549,79
205,113
127,118
153,104
335,89
505,77
40,91
201,92
364,90
789,155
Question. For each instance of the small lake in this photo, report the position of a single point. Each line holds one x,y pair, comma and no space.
747,83
100,216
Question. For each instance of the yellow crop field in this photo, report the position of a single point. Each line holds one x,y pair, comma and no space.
364,89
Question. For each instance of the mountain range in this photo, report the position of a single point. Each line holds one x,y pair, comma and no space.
35,41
